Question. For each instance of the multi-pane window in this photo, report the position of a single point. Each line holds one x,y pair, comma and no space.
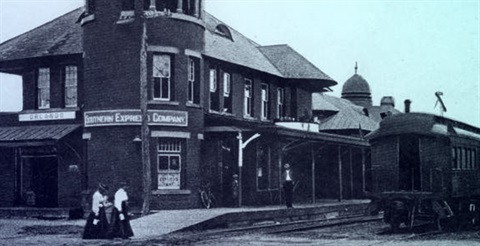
214,94
71,80
213,80
264,106
191,80
227,91
280,102
464,158
169,163
162,77
43,88
248,98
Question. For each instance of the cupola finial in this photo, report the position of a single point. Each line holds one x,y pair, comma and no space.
356,67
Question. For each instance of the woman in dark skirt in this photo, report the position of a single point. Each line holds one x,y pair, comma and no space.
120,223
97,224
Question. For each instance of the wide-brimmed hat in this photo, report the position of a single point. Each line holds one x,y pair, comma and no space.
103,186
286,165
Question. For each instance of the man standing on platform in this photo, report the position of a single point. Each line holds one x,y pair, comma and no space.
288,185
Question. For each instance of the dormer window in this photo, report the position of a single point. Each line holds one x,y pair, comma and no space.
223,31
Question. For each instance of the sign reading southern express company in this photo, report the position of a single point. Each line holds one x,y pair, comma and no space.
134,117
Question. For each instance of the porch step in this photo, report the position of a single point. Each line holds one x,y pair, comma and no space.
42,213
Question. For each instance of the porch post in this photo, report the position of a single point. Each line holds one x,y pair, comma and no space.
179,6
240,164
363,171
313,175
351,172
152,5
340,179
280,160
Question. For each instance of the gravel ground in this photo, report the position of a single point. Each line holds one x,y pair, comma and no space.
68,232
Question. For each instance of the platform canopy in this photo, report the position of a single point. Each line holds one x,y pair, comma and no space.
37,135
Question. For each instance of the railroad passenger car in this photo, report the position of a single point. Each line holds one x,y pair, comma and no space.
425,166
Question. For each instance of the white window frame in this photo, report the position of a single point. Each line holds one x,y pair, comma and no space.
264,106
227,83
248,97
191,80
280,102
43,86
172,149
213,80
71,85
162,76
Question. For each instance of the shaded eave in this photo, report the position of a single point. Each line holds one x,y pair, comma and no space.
226,126
36,135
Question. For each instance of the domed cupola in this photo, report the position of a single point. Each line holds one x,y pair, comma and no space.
357,90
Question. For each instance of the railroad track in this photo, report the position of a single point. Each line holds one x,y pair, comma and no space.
280,227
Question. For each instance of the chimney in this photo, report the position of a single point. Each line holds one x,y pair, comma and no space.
407,105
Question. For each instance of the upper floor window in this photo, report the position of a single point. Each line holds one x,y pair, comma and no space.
71,81
248,98
193,80
43,88
264,106
166,5
162,77
189,7
214,94
213,80
464,158
280,102
226,84
227,90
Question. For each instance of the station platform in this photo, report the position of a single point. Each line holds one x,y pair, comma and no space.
173,222
164,222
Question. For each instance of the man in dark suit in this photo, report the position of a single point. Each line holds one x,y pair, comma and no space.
287,178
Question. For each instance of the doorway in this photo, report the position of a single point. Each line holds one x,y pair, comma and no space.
409,163
40,178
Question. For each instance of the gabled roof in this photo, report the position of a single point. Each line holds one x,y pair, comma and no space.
239,50
60,36
348,116
291,64
63,36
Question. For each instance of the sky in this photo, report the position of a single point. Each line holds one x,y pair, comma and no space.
405,49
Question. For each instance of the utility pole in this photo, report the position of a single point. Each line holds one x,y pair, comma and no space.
145,131
242,145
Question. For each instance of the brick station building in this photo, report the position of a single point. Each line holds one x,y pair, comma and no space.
218,104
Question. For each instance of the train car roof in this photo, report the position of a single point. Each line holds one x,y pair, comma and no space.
423,124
